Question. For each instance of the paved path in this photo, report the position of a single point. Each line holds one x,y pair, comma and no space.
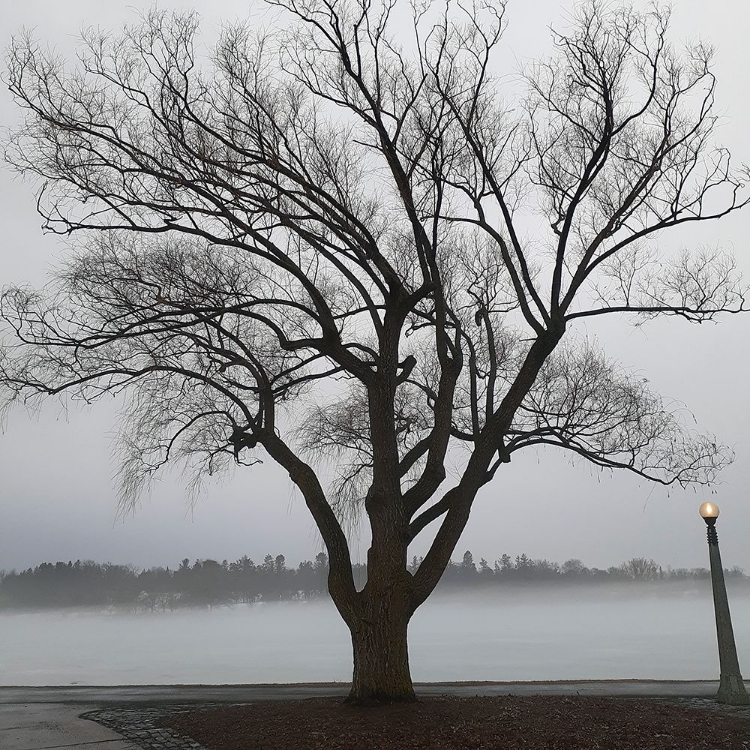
49,718
34,726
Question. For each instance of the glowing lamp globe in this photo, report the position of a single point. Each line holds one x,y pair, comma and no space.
709,512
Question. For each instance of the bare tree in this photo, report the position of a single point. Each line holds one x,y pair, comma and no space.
338,241
641,569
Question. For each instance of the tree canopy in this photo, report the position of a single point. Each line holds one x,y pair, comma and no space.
342,239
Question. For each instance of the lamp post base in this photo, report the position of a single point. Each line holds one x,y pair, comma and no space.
732,691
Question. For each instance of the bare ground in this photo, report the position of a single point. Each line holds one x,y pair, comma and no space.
457,723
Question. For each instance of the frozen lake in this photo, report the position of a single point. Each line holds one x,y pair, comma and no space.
529,635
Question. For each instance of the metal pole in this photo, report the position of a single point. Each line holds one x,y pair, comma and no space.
731,687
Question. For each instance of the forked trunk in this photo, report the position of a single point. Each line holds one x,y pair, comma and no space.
381,653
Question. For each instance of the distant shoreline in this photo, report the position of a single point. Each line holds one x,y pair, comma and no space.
209,583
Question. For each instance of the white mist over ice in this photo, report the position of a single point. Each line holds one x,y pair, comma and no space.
529,635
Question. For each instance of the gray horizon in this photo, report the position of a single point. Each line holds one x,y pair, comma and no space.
58,495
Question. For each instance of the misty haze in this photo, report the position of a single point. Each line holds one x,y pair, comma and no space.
210,622
533,635
372,283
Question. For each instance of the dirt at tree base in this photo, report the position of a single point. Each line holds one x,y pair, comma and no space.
461,723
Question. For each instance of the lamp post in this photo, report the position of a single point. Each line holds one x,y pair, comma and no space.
731,687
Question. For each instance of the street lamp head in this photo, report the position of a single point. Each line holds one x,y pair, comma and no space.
709,512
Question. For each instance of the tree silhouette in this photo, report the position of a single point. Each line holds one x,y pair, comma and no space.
86,584
339,241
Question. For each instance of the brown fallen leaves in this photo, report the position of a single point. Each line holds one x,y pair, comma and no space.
456,723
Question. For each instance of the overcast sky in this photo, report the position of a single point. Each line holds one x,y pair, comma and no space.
57,493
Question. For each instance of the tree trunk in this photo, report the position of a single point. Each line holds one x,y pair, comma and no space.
381,653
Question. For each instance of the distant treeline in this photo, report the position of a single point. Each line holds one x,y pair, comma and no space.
209,583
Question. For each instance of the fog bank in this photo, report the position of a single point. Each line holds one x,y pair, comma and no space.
529,635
